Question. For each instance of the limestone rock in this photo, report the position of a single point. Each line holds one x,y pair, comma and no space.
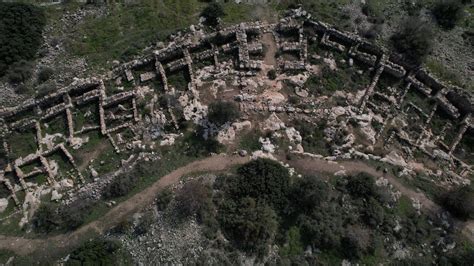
3,204
55,196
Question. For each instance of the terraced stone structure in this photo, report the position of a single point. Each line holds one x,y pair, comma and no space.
409,109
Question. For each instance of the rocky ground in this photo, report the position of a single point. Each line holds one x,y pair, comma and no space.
54,53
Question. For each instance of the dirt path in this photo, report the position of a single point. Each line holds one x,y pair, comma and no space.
25,246
269,41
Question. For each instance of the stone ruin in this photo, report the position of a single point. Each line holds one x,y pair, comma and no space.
121,104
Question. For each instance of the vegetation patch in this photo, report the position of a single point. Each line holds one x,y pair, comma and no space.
21,26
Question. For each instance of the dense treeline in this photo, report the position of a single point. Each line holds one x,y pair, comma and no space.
21,27
260,205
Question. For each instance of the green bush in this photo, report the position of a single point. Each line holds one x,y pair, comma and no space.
97,252
323,227
163,199
212,13
120,186
44,74
46,218
307,193
51,218
460,202
19,72
192,198
262,179
362,186
197,145
272,74
45,89
223,112
313,137
23,89
21,27
413,40
448,12
373,12
249,224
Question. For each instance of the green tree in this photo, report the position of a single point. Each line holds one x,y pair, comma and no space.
362,186
249,224
323,227
212,13
119,187
262,179
96,252
448,12
163,199
192,198
19,71
223,112
21,27
294,246
460,202
413,40
307,193
44,74
46,218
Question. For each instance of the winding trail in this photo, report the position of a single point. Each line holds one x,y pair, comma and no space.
305,165
44,246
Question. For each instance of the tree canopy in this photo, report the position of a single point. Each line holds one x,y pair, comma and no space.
250,224
212,13
413,40
21,27
448,12
262,179
222,112
460,202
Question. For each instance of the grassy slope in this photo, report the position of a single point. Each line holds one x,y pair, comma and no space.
126,30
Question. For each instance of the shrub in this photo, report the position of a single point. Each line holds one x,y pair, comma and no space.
20,33
73,216
448,13
322,228
45,89
212,13
44,74
272,74
52,218
46,218
414,40
307,193
460,202
223,112
23,89
251,225
262,179
144,225
119,187
371,10
355,243
163,199
19,72
361,186
192,198
197,145
96,252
